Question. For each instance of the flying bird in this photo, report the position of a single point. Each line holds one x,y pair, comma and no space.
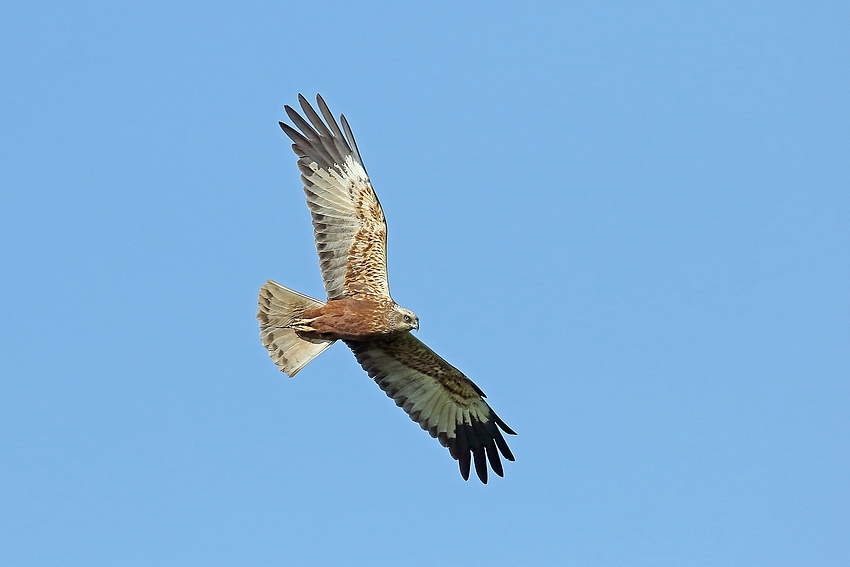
351,239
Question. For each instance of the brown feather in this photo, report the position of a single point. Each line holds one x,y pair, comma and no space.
352,319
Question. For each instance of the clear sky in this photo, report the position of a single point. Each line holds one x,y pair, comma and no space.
630,225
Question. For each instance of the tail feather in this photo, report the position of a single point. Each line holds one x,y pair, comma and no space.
279,307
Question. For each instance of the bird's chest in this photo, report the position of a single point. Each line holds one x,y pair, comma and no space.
351,318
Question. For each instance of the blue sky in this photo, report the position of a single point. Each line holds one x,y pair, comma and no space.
627,223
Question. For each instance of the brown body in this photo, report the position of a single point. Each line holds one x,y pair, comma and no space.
350,319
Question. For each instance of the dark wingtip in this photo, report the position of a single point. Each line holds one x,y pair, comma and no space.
463,462
502,424
503,447
493,457
480,464
295,136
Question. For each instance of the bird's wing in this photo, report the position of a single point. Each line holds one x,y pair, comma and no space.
444,402
348,222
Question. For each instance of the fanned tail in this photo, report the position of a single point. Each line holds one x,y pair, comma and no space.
279,308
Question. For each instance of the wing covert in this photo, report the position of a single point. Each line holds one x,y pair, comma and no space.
435,394
348,221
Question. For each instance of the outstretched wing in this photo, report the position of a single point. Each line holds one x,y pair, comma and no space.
444,402
348,222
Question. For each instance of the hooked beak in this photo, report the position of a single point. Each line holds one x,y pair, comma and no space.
417,325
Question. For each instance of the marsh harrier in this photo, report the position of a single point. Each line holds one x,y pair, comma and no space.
351,239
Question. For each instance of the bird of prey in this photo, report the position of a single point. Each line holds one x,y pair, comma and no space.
351,239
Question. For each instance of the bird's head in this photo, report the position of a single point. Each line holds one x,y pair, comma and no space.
404,319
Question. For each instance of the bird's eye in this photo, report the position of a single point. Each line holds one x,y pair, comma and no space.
407,318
